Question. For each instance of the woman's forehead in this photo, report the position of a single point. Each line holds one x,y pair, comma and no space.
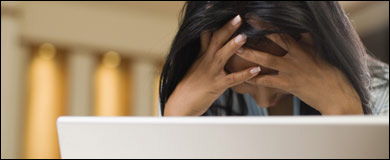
258,41
257,22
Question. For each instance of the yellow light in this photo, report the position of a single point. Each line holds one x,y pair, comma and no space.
47,51
45,102
111,59
111,87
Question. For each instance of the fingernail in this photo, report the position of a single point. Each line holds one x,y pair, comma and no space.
236,20
240,38
255,70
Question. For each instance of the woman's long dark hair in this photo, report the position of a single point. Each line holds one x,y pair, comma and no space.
334,38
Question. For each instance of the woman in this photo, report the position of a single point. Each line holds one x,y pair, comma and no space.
270,58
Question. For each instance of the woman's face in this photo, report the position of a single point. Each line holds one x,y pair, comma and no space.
264,96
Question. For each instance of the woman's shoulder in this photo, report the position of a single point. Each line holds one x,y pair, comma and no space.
379,86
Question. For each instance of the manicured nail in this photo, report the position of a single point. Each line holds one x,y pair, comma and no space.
236,20
255,70
240,38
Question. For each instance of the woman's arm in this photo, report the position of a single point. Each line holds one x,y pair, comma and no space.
206,80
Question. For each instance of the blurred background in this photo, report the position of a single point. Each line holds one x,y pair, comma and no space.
101,59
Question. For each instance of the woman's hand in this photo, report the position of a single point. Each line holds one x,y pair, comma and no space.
206,80
314,81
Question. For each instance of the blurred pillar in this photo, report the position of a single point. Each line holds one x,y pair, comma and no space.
143,73
13,64
82,65
111,86
45,103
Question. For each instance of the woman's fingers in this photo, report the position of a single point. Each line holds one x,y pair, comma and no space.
205,37
220,37
263,58
272,81
223,55
239,77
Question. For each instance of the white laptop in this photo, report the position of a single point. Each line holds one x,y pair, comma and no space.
224,137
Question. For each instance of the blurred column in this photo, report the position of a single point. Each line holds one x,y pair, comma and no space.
143,73
111,86
13,64
82,65
46,101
